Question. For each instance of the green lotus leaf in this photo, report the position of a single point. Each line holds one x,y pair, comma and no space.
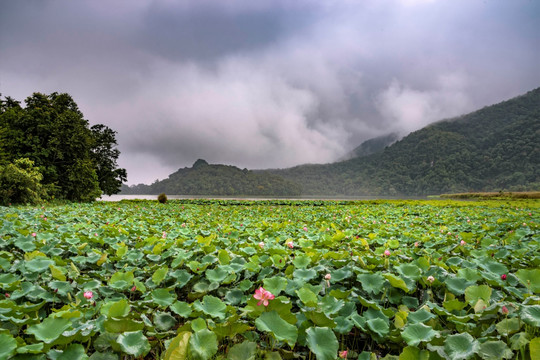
134,343
308,297
121,280
343,325
322,342
477,292
411,271
305,274
420,316
530,278
508,326
26,244
235,297
469,274
460,346
212,306
182,278
216,275
454,305
372,283
283,331
178,347
163,297
531,315
275,284
320,319
413,353
414,334
519,340
73,352
30,349
495,350
397,282
118,309
494,267
534,348
198,324
378,326
50,329
181,308
160,274
340,274
122,325
246,350
331,305
301,261
164,321
7,345
457,285
8,279
38,264
103,356
203,345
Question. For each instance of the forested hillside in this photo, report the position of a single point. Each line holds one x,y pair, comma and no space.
495,148
205,179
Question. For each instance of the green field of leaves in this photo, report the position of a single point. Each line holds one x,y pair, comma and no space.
205,279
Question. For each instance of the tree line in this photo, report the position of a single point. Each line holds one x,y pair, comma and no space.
48,150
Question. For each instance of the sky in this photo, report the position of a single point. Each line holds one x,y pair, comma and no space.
267,83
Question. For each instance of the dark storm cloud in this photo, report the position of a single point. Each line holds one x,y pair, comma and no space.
265,84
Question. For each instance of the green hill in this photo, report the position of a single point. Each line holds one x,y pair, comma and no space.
495,148
205,179
492,149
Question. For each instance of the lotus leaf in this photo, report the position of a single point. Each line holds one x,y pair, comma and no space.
203,345
414,334
322,342
134,343
271,322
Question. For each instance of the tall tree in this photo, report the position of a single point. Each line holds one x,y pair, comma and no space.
105,155
52,132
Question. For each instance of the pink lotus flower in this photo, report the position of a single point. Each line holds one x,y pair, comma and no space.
416,244
164,235
263,296
34,234
327,277
133,288
290,244
343,354
386,252
431,279
462,242
88,294
305,228
261,244
505,310
503,277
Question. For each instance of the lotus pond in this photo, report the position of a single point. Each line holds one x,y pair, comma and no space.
205,279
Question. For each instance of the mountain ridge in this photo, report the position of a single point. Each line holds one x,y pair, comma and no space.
491,149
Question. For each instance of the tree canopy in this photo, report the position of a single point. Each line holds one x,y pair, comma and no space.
77,162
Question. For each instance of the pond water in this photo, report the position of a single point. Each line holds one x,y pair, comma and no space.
184,197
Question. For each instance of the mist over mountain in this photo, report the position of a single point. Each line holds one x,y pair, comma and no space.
494,148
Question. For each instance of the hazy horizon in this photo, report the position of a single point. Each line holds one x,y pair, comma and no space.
266,84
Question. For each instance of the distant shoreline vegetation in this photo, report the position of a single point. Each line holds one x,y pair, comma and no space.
502,195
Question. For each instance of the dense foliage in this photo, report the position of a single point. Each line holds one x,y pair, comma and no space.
77,162
20,183
492,149
275,279
205,179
